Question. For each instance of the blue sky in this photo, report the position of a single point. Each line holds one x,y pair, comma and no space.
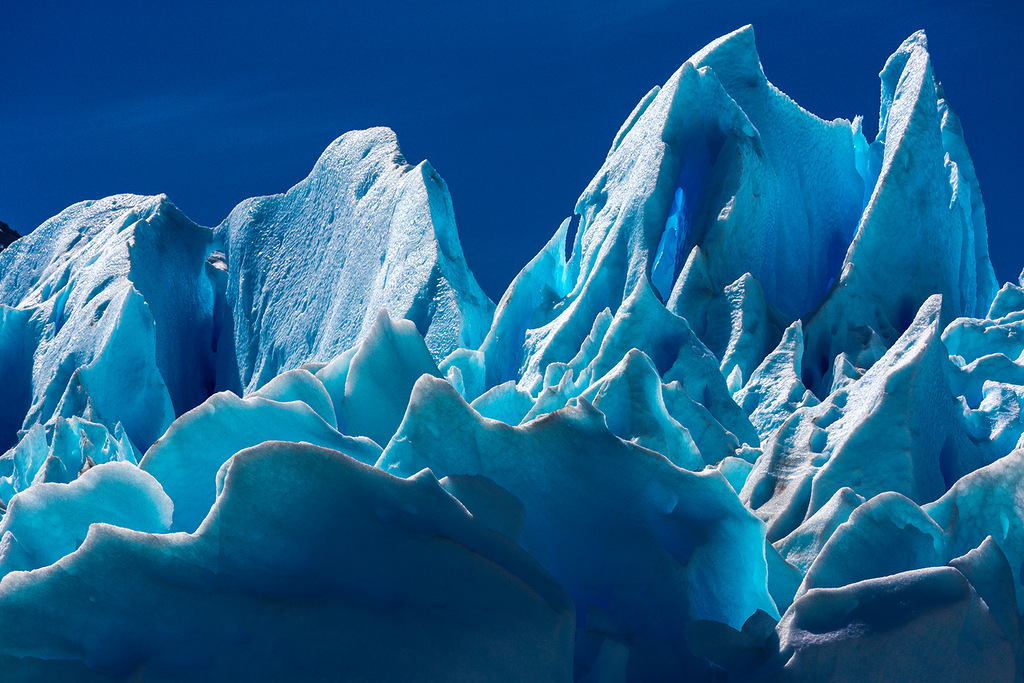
515,104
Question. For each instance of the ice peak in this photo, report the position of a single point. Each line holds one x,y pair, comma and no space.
376,144
364,231
913,52
734,53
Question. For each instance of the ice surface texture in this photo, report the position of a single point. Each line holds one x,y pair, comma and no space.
309,270
761,420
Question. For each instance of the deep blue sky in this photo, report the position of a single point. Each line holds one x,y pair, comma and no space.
515,104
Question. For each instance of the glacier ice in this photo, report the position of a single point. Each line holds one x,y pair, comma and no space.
923,183
50,520
187,459
361,573
885,629
367,230
675,545
760,419
903,406
119,301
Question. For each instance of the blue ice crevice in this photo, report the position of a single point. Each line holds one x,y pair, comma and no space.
666,260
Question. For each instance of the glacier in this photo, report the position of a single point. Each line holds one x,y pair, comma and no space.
760,419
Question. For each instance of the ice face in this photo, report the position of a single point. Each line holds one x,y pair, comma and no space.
849,633
903,406
791,193
761,420
641,546
51,519
273,583
120,316
186,460
309,270
940,246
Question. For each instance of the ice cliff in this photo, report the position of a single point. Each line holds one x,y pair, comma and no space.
760,420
